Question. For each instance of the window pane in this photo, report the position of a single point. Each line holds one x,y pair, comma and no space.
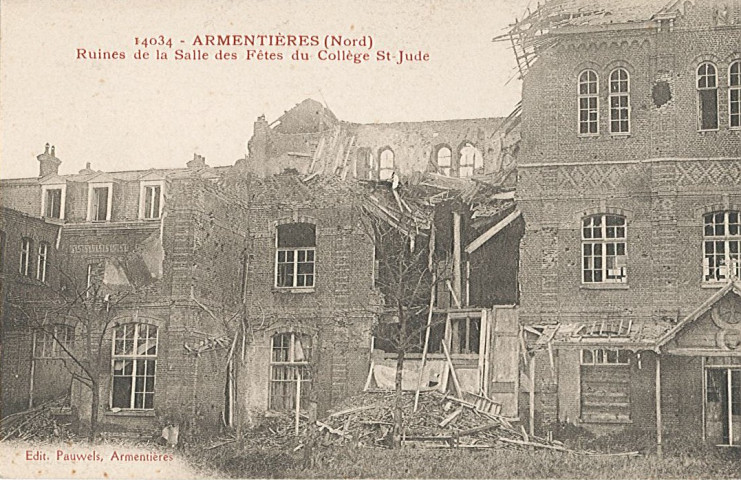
708,109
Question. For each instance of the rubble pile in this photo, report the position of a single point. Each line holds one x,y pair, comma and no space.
35,424
440,421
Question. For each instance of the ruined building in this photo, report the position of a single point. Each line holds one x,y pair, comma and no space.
219,295
630,188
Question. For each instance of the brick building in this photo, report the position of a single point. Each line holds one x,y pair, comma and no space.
629,184
228,293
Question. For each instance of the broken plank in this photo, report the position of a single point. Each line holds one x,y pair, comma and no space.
450,418
353,410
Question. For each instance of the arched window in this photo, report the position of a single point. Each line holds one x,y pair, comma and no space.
24,267
604,249
134,362
619,101
294,256
290,372
588,103
444,161
470,160
707,96
387,164
734,94
722,246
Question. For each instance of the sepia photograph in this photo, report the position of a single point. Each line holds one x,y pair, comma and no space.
370,239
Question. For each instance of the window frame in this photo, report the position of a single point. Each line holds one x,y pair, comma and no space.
442,169
135,358
734,87
62,202
90,192
143,197
25,265
587,96
698,79
475,154
618,95
45,345
727,239
42,261
290,364
604,241
295,251
384,170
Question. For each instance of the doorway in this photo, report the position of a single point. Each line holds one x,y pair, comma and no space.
723,405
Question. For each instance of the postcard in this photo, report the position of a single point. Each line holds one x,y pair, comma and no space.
388,239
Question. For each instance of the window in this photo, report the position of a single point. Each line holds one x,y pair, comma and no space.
150,200
619,101
99,202
707,96
722,239
605,385
444,161
588,90
52,201
290,374
603,249
387,164
734,94
365,164
294,257
470,160
133,366
465,334
26,248
42,263
47,347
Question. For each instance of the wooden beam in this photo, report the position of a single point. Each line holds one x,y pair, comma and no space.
484,237
532,396
457,255
659,447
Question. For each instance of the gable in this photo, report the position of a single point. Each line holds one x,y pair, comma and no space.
717,328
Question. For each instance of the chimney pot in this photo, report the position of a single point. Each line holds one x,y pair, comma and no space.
52,151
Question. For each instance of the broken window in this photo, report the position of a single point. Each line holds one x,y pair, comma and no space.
43,262
605,385
24,268
722,239
94,278
99,205
588,102
46,347
53,200
707,96
151,200
604,257
470,160
464,335
619,101
294,257
734,94
387,164
133,366
444,160
290,372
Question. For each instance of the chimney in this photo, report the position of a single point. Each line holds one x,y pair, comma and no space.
258,144
199,161
87,169
48,162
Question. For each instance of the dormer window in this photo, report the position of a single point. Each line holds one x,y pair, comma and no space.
150,200
99,202
52,201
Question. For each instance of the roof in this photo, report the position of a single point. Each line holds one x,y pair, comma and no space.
641,335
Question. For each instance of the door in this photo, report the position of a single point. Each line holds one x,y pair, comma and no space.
723,406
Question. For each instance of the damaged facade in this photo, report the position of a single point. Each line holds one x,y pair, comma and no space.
629,184
233,292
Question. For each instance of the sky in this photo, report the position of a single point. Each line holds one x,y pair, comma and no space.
122,114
